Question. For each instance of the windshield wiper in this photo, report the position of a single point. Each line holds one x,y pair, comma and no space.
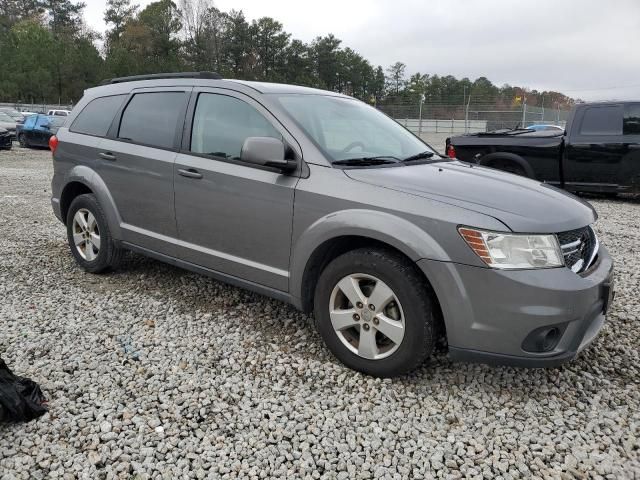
419,156
367,161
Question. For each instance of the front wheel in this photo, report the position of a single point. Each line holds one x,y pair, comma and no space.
89,237
22,140
375,312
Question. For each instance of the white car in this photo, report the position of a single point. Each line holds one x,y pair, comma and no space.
59,113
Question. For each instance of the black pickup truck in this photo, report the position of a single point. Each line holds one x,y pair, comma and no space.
598,152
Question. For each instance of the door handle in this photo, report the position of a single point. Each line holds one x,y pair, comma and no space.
108,156
190,173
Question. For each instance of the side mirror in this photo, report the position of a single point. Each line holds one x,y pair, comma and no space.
266,151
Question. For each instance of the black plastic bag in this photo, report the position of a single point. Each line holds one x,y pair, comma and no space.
21,399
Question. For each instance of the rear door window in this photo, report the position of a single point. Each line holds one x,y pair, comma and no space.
221,124
605,120
96,117
151,118
631,125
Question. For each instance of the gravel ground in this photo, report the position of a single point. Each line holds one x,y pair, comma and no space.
154,372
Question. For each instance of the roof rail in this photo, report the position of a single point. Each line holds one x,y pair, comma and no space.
159,76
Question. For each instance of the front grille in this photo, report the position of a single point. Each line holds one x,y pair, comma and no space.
579,248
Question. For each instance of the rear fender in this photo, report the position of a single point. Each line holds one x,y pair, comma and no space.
88,177
487,160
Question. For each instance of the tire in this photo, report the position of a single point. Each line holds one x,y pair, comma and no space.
412,307
93,255
509,167
22,140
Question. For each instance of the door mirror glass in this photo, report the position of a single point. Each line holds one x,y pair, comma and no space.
266,151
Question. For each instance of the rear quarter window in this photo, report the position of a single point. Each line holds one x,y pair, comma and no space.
96,117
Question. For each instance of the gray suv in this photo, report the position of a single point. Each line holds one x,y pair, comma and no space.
320,200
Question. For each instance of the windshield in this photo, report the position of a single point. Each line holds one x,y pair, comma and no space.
6,118
346,129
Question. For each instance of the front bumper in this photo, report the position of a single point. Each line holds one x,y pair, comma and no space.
490,314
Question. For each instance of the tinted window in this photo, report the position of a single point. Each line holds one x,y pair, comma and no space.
95,118
632,119
602,121
221,124
151,118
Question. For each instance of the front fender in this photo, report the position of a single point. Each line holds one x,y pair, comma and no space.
384,227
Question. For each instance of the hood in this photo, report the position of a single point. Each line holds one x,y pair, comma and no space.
524,205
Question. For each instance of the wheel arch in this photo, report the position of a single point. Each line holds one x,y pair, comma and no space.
341,232
82,180
488,159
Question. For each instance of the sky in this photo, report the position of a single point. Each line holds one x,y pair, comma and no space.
586,49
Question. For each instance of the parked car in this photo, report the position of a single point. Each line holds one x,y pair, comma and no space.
17,116
6,139
600,151
37,129
8,123
58,113
320,200
543,127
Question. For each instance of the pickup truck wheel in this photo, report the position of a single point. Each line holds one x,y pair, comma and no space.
509,167
89,237
374,311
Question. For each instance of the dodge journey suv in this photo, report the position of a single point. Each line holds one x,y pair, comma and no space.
320,200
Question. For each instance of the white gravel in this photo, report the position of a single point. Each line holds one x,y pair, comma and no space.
154,372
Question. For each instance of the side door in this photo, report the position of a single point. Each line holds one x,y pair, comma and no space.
595,151
40,135
136,163
28,126
233,217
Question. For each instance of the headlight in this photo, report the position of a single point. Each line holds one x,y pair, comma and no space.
512,250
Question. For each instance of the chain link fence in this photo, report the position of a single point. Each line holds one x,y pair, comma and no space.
460,119
35,107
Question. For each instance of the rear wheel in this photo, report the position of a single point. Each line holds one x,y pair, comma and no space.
509,167
89,237
375,312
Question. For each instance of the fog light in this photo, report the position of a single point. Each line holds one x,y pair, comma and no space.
544,339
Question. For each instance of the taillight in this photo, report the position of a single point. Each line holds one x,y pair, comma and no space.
451,151
53,143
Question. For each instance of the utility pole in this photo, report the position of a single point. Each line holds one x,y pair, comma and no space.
466,115
420,115
524,111
464,103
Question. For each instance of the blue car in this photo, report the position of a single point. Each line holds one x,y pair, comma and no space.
37,129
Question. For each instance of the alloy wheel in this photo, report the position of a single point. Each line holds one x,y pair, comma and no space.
366,315
86,234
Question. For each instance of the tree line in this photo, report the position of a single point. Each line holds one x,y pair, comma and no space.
50,55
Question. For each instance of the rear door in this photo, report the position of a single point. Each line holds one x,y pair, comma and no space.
40,135
233,217
136,163
594,159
